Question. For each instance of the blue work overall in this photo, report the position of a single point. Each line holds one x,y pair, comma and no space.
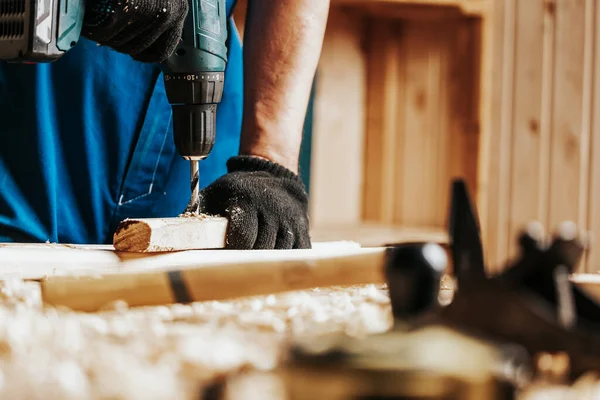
87,141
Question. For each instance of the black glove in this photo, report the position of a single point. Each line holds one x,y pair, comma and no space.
147,30
266,204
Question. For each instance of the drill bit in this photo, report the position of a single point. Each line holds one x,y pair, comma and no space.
194,204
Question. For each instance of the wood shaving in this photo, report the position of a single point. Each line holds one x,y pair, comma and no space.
171,352
164,352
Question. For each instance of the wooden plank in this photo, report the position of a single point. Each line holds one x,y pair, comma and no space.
338,127
171,234
38,261
593,255
546,121
527,158
497,145
459,97
501,228
485,82
567,137
585,189
296,270
417,148
383,115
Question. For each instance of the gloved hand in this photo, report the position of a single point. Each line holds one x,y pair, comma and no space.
266,204
147,30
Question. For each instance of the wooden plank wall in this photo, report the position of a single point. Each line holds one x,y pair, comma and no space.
422,127
545,158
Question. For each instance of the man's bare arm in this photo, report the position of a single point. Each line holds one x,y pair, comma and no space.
282,46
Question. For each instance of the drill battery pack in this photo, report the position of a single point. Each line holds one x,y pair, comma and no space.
38,30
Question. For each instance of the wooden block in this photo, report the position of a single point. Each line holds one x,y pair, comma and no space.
170,234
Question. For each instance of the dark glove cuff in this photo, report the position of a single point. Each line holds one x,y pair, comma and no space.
255,164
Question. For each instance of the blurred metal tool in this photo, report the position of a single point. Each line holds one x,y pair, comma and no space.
421,358
532,303
487,343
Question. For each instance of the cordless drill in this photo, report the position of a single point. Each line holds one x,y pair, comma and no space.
194,77
42,31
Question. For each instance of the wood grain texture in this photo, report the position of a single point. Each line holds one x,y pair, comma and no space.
422,120
544,123
567,127
488,169
170,234
383,113
593,256
338,123
291,270
39,261
524,129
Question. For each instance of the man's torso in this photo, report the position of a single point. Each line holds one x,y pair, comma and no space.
87,141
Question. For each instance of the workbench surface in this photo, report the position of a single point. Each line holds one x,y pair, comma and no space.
165,352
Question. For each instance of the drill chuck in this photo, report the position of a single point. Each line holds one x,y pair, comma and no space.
194,99
194,130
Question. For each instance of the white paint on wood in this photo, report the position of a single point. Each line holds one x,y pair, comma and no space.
171,234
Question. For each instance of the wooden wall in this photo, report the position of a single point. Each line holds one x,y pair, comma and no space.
512,104
396,113
422,123
546,106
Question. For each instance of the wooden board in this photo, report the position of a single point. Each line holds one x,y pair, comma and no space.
39,261
167,284
171,234
145,279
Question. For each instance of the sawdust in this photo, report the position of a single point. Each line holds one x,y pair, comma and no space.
195,215
163,352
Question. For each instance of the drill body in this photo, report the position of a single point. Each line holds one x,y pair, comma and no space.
194,78
39,31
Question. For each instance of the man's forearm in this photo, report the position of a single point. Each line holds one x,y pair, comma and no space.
283,41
